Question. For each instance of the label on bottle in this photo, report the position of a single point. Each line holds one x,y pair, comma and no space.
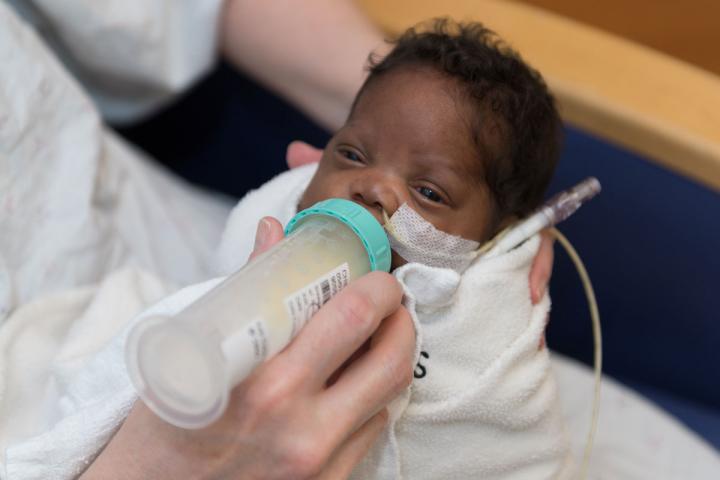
304,303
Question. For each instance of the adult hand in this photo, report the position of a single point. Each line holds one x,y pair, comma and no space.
286,420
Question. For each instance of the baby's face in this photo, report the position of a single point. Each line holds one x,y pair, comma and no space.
408,140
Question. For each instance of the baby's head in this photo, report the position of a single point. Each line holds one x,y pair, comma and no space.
451,122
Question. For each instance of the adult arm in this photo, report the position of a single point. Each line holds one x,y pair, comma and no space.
134,56
284,421
310,52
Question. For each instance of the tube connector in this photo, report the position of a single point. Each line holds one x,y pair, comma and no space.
554,211
561,206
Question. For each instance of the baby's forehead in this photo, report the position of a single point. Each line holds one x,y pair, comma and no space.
422,111
397,84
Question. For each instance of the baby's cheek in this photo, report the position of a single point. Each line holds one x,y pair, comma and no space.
312,195
304,202
323,185
396,261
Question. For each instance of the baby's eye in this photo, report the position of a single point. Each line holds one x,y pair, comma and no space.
430,194
351,155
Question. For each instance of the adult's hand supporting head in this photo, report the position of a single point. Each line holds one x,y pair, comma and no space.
300,153
286,420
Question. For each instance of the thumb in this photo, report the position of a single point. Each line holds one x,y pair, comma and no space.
269,232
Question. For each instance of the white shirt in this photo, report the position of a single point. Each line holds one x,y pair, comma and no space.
76,202
131,55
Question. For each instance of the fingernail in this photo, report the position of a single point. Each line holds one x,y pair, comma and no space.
261,236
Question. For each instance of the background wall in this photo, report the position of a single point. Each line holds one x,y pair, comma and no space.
689,29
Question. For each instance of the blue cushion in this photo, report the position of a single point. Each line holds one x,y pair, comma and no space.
227,133
650,242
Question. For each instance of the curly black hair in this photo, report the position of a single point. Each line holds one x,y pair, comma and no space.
517,128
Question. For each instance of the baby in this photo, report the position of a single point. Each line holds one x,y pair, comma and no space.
453,125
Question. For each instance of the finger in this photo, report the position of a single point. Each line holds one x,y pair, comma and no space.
268,233
300,153
354,449
356,354
541,269
340,328
373,380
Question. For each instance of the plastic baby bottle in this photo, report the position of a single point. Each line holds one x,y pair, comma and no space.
185,366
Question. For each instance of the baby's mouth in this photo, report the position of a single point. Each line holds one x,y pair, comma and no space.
377,212
383,218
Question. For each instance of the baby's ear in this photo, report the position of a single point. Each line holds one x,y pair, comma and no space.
300,153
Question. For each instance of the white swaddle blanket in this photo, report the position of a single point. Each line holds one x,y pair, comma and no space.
486,404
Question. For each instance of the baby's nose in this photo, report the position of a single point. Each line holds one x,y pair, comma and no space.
378,193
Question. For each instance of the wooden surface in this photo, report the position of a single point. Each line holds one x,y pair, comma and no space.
647,101
688,29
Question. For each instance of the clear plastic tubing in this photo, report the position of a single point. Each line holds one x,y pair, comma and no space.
185,366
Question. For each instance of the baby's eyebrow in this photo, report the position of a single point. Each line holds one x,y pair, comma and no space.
355,126
448,167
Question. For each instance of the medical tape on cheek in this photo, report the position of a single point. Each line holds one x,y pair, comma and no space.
417,240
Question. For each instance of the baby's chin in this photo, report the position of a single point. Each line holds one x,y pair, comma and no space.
396,261
302,204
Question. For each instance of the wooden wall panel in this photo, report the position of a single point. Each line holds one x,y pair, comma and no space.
687,29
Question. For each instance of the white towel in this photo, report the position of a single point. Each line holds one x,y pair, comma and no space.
70,348
486,405
62,382
88,392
